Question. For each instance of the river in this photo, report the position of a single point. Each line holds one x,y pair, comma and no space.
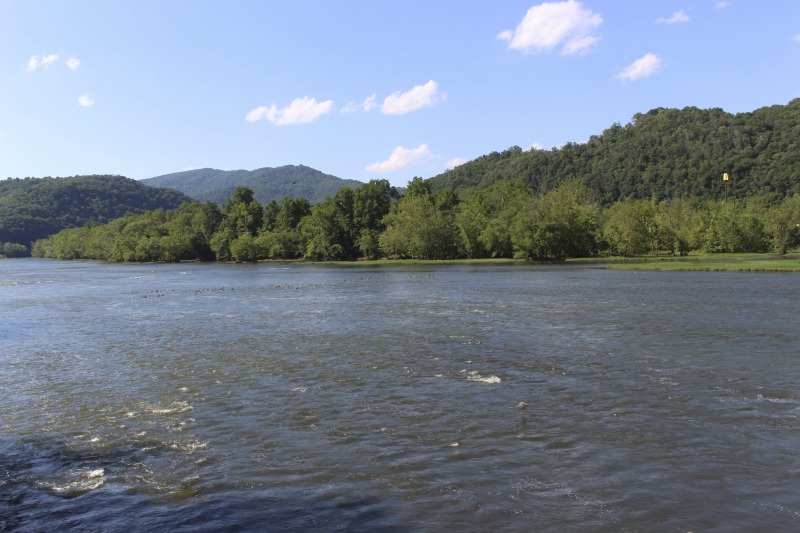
293,397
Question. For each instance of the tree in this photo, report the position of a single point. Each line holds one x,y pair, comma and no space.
241,215
683,225
329,229
782,223
631,228
13,249
417,228
418,187
371,203
560,224
733,229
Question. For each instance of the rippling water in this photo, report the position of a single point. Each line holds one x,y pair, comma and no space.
328,398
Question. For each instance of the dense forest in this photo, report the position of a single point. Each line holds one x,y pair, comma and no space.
505,219
662,154
297,181
652,186
33,208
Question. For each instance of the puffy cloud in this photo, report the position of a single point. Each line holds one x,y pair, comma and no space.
300,111
534,146
797,37
86,100
36,62
453,163
678,17
721,4
368,105
420,96
73,63
256,114
401,157
552,24
641,68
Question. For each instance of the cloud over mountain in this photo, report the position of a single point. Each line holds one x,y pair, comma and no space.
565,25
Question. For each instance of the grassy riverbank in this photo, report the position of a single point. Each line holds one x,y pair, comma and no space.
713,262
695,262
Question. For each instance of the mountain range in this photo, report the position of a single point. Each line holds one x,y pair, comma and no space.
208,184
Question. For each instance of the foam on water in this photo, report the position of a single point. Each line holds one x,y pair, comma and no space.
473,375
174,408
74,483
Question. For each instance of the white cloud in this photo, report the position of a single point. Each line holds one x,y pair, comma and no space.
453,163
641,68
534,146
721,4
86,100
369,104
256,114
36,62
420,96
797,37
401,157
73,63
300,111
552,24
678,17
505,35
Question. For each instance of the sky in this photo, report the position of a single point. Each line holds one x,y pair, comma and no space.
364,89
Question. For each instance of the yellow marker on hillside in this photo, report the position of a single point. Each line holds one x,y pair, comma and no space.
726,177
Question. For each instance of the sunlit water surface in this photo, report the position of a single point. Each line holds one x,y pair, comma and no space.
270,397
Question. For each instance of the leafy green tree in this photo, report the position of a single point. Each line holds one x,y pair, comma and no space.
782,223
270,217
631,228
246,248
683,224
417,228
418,187
560,224
371,203
242,214
281,237
471,221
13,249
329,230
290,212
733,229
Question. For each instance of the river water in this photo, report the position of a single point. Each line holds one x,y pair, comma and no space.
269,397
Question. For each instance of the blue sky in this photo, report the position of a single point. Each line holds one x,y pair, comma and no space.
364,89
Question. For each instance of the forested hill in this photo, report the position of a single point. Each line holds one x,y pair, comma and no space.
665,153
296,181
33,208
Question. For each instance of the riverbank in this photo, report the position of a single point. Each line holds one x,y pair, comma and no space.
749,262
713,263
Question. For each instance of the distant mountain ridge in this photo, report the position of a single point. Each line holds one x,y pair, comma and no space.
297,181
33,208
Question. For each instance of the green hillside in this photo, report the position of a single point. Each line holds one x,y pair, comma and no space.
296,181
664,153
33,208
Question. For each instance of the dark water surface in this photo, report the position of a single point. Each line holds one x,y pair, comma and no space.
204,397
